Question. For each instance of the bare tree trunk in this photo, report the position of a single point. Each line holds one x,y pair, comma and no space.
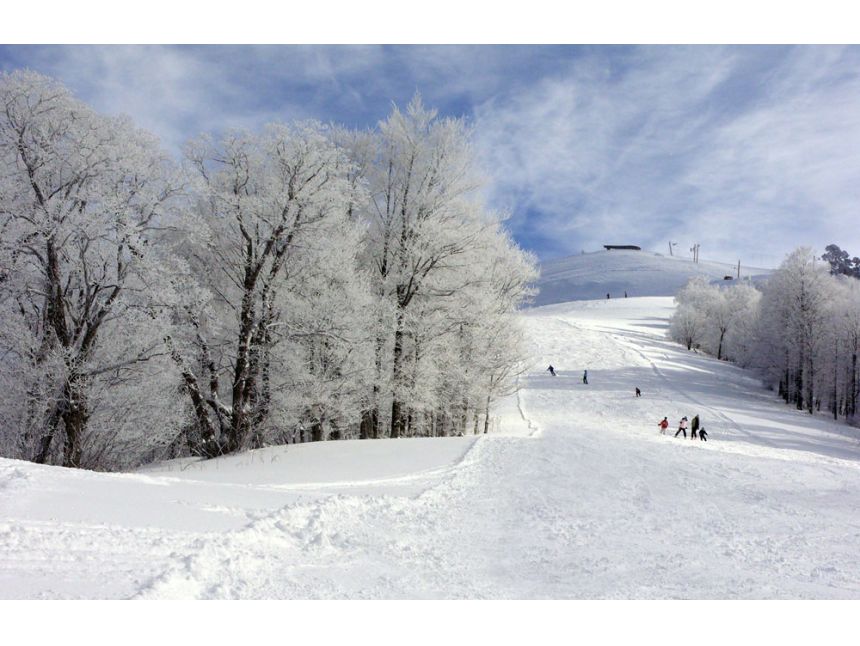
368,423
259,393
851,408
207,446
55,317
836,381
370,418
318,430
408,430
239,419
396,372
75,417
798,382
47,438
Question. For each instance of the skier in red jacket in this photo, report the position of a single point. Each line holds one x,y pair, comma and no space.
663,426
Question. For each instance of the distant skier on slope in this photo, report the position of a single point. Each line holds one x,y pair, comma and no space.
663,426
638,392
585,377
551,370
703,434
694,426
682,427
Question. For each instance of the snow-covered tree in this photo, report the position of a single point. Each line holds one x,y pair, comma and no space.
743,304
840,344
275,248
302,283
801,331
687,326
793,311
425,235
714,317
82,199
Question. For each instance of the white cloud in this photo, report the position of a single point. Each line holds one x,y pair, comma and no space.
748,151
178,92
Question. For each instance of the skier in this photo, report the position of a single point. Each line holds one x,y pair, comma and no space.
625,294
694,426
607,295
682,428
703,434
638,392
551,371
663,426
585,377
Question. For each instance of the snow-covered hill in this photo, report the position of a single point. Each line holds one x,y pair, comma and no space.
578,497
639,273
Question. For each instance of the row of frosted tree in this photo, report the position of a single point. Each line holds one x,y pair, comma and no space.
301,283
800,330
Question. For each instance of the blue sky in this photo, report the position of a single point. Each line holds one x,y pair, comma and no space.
749,151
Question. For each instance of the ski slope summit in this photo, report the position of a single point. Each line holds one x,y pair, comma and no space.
640,273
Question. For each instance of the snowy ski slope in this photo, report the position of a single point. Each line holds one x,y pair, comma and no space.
640,273
577,496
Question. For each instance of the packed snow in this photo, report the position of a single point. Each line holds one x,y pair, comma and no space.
574,495
638,273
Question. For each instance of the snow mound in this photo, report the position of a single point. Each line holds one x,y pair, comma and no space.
639,273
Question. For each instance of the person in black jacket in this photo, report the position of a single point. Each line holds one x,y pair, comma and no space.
551,371
694,426
703,434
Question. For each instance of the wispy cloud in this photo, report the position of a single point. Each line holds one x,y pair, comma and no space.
178,92
749,151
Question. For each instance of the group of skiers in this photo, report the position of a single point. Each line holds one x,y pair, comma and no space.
695,429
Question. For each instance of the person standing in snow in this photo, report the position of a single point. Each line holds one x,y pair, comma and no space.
663,426
638,392
703,435
551,370
682,428
585,377
607,295
694,426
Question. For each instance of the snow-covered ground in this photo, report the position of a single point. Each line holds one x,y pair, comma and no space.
639,273
577,496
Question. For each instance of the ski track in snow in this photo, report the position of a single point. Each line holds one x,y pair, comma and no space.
586,500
